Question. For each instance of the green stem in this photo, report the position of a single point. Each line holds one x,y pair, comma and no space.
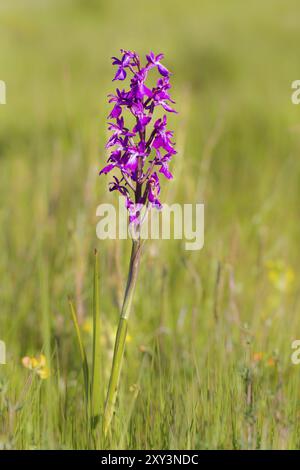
96,392
121,335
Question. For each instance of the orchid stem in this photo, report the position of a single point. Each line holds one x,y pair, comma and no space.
121,335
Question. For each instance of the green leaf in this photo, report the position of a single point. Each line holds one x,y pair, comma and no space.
85,368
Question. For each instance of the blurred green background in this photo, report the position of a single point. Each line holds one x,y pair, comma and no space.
208,361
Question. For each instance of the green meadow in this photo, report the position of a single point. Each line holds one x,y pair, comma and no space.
208,352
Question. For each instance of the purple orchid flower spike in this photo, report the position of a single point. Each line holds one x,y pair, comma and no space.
132,148
140,154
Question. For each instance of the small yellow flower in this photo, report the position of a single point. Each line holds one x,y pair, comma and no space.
280,275
43,373
41,360
88,326
128,338
38,365
257,357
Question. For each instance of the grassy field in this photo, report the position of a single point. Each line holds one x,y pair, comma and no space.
207,361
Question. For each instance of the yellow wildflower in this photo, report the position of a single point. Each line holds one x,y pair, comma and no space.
128,338
38,365
280,275
88,326
43,373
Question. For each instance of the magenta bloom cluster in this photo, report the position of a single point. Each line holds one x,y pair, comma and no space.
141,152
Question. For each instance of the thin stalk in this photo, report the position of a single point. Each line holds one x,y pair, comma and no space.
46,332
96,392
121,335
84,363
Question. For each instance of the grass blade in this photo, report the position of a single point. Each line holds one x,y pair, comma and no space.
85,368
96,397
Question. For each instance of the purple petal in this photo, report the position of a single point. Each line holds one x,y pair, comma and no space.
163,70
120,75
116,61
107,169
165,171
150,57
141,123
168,108
132,163
116,111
